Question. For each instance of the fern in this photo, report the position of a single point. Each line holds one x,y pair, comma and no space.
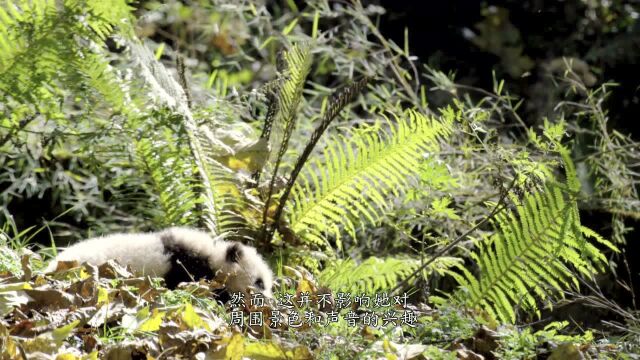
215,154
170,174
336,104
43,71
169,93
358,174
236,215
298,63
532,252
37,52
375,274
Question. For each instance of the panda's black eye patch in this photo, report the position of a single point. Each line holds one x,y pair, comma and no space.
234,252
259,284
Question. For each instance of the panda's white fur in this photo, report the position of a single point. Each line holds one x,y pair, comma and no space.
176,254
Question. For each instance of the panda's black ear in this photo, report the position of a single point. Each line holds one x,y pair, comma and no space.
234,252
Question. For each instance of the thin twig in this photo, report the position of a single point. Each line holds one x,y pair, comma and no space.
21,125
633,292
496,209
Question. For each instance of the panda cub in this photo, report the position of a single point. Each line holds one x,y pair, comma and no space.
177,254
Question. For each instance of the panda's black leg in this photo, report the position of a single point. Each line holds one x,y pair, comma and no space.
185,265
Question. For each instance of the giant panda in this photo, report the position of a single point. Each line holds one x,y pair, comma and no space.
177,254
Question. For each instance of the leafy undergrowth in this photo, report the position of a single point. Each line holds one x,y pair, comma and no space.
88,312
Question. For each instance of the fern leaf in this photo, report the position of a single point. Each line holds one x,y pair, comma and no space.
375,274
359,174
170,179
336,105
171,94
530,255
235,214
37,51
298,62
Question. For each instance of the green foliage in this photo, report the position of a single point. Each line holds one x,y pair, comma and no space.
358,174
288,95
232,210
113,135
60,94
532,252
335,105
450,323
376,274
37,51
170,170
298,63
9,257
522,344
202,188
13,248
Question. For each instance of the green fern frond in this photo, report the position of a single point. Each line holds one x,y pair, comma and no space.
298,63
531,254
221,198
359,174
269,118
170,176
36,50
169,93
234,213
336,104
375,274
105,15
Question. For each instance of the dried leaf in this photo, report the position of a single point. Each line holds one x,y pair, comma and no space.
49,299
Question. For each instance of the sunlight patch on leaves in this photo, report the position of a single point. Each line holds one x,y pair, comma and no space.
360,173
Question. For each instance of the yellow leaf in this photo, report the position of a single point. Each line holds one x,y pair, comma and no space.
238,164
92,356
83,274
304,285
388,350
10,347
153,322
66,356
191,319
268,351
62,333
263,351
224,188
235,349
250,157
15,286
103,296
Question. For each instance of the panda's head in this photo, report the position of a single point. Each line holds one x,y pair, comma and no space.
244,266
193,254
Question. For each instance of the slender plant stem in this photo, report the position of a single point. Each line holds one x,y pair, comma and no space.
500,205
